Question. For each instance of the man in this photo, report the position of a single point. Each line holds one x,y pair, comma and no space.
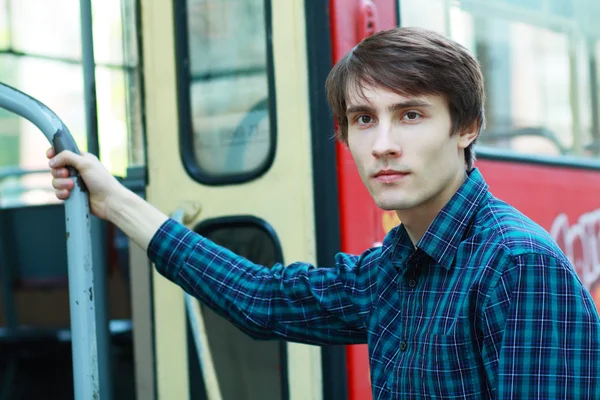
466,299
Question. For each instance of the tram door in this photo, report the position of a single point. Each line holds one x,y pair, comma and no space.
228,141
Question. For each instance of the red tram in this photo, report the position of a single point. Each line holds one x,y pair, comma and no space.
216,109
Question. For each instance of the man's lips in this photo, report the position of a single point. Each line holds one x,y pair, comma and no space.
388,175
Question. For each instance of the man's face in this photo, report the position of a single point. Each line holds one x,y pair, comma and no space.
403,149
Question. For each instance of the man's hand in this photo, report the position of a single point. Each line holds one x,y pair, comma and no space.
101,184
108,198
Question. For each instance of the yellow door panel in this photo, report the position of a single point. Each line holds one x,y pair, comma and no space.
282,196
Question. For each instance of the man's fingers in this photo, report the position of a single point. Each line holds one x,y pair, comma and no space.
58,163
63,183
62,194
65,158
60,173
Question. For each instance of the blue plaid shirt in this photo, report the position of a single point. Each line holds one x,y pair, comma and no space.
486,306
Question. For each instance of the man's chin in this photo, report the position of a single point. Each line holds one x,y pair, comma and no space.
393,204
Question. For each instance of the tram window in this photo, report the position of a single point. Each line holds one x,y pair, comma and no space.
26,145
255,367
226,93
539,60
115,38
58,20
41,56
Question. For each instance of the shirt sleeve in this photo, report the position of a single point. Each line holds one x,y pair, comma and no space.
297,303
542,333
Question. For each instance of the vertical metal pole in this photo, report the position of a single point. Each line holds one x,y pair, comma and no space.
89,76
577,146
98,228
79,248
594,89
86,353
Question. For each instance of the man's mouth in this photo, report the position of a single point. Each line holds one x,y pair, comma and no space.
389,175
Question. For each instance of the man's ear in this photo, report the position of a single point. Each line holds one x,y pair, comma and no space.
467,135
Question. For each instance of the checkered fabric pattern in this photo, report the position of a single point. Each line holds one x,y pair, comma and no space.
485,306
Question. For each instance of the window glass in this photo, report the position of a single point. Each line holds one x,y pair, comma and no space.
115,32
120,122
255,365
229,87
63,94
112,118
136,154
529,91
50,28
538,66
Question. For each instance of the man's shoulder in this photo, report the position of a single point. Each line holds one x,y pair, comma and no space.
504,226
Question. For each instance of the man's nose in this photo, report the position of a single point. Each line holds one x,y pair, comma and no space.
385,144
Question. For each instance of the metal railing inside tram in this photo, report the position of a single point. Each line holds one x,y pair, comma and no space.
86,331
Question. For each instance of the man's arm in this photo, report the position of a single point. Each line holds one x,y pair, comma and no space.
299,302
541,333
138,219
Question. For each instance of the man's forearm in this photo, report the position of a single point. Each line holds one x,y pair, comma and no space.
138,219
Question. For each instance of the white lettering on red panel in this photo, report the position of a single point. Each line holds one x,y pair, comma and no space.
581,244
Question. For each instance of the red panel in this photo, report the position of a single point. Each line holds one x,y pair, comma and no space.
564,201
360,219
344,16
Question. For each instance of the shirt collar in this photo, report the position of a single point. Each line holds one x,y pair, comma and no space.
442,238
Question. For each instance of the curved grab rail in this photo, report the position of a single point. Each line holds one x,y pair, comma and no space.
86,353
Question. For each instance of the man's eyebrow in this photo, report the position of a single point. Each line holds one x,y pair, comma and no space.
393,107
409,104
361,108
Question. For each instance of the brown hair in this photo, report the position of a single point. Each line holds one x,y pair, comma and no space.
412,61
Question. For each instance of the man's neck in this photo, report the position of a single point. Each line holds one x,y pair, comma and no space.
417,220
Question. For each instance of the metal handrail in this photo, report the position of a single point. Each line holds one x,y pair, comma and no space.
84,328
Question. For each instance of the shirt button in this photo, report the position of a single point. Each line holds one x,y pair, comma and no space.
403,346
412,283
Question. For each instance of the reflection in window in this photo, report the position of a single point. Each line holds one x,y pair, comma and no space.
229,89
528,86
539,68
255,366
42,57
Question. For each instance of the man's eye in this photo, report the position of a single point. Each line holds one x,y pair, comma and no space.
412,115
364,119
